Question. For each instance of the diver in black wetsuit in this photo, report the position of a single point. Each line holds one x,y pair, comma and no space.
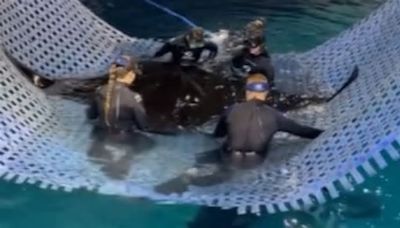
118,108
253,56
250,125
119,112
186,50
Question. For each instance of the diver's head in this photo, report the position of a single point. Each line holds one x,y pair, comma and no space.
257,23
125,69
257,87
255,27
195,37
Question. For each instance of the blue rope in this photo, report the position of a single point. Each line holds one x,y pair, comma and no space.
172,13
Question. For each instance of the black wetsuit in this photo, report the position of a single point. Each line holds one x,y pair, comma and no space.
250,126
182,53
245,62
126,114
126,109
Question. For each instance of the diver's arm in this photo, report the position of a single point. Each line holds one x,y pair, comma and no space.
290,126
135,105
221,130
238,58
140,113
212,48
167,47
222,127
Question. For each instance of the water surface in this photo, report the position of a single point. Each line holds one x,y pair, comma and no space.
293,25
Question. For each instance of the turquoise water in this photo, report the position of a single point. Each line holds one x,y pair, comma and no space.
294,25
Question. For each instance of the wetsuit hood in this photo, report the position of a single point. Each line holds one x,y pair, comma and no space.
195,38
128,62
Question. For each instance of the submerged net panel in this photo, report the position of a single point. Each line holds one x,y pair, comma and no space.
323,70
34,143
61,39
46,139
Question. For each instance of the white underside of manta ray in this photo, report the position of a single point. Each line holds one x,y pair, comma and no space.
43,138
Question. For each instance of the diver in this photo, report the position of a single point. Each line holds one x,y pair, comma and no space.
253,56
186,49
118,108
119,113
186,53
250,125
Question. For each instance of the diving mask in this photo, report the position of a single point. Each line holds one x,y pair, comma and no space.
122,61
258,87
129,63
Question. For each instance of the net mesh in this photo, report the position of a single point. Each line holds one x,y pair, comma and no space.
44,139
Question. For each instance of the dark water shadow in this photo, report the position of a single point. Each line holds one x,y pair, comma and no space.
211,217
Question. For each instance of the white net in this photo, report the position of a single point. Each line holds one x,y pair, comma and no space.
45,139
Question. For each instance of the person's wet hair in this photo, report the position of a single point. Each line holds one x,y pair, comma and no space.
123,65
255,28
195,37
196,34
